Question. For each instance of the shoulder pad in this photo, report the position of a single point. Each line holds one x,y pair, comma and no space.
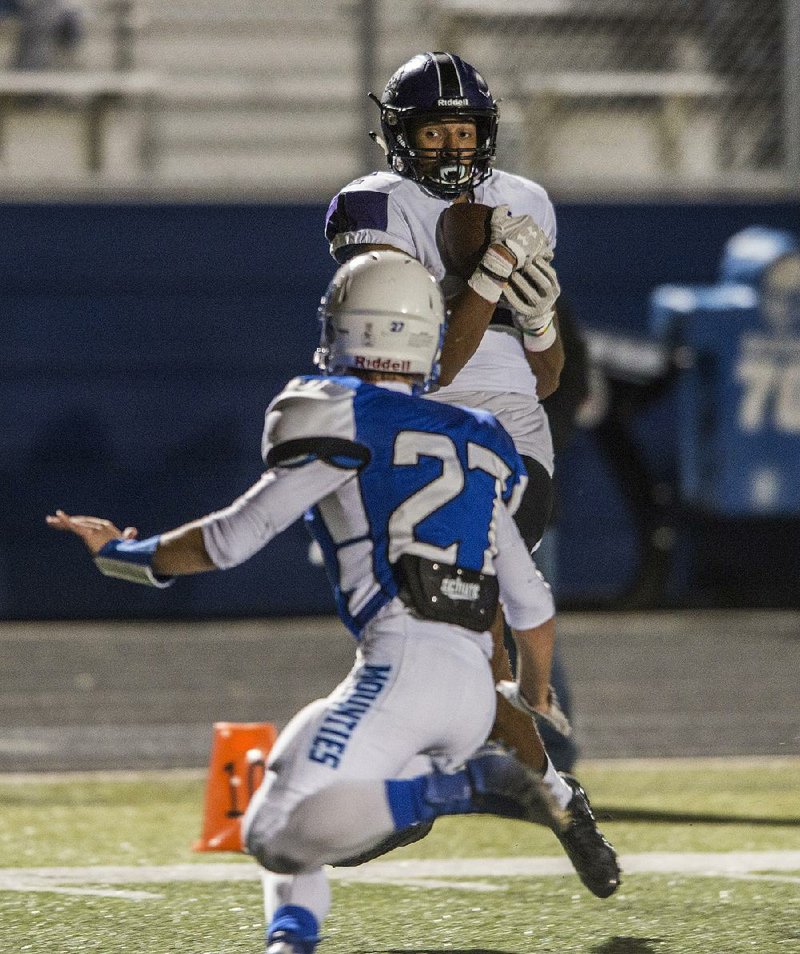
383,181
521,185
313,387
311,418
522,195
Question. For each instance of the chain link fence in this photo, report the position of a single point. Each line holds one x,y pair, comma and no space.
680,93
598,96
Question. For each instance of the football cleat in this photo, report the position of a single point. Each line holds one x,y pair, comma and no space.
283,942
592,856
502,785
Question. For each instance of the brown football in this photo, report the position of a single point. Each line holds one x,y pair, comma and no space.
462,236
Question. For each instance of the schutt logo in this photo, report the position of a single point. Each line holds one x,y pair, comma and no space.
456,589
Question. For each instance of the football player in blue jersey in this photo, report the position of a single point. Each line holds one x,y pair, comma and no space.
502,351
411,502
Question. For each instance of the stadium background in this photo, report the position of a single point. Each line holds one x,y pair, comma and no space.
163,192
162,186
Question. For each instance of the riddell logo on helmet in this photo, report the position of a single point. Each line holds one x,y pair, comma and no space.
382,364
453,101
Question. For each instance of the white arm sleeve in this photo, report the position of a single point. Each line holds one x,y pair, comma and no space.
527,599
282,494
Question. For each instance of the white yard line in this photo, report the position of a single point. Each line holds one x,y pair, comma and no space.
717,762
429,874
104,775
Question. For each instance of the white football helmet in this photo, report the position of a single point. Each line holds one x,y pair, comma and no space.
383,311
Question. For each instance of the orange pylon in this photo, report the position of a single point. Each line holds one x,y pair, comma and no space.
236,768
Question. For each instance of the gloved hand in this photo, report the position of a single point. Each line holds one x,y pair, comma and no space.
519,235
532,292
554,715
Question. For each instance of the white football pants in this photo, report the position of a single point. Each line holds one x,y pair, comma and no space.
420,695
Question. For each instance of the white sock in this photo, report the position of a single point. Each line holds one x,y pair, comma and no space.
559,788
310,891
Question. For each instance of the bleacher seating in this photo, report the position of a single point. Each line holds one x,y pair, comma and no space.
271,97
611,92
264,95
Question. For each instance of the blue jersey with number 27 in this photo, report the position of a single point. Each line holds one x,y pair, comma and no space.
428,478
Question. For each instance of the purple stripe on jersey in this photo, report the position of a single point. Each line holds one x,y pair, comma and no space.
352,211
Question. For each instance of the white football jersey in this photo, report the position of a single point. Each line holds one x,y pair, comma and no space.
386,209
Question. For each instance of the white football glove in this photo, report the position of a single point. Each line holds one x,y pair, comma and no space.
532,292
491,276
519,234
554,717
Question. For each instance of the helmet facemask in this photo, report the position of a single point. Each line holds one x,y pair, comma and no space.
445,173
431,88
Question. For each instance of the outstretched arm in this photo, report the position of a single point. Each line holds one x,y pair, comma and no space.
178,552
531,691
221,540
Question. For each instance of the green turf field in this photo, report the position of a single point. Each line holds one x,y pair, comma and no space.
138,825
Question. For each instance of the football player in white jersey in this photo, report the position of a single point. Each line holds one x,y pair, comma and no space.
411,502
502,350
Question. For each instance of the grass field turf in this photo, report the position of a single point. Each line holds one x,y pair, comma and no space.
147,820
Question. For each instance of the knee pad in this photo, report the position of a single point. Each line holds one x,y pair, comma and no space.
274,839
265,846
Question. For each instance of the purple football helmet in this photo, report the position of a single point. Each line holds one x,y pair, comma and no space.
428,88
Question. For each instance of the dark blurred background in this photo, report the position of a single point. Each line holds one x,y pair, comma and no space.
165,173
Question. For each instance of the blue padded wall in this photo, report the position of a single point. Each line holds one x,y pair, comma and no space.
142,343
